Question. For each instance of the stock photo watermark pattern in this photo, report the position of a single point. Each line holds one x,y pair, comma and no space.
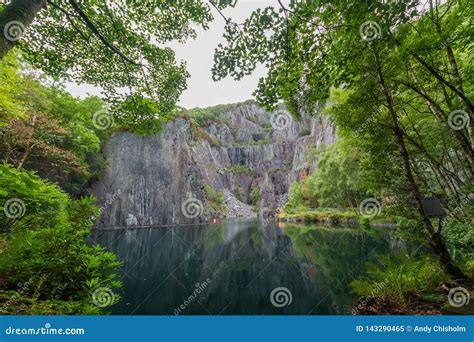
458,297
370,207
341,188
46,330
14,208
114,197
281,297
459,119
103,297
103,120
281,120
192,208
198,291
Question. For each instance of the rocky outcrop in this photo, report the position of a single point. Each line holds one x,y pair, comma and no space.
248,155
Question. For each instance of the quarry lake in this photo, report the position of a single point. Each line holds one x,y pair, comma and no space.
241,267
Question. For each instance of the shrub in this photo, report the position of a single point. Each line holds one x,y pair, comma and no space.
201,133
254,196
240,169
305,131
215,198
238,194
399,279
36,202
295,197
47,250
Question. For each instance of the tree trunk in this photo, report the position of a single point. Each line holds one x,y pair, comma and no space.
467,103
14,19
441,117
437,242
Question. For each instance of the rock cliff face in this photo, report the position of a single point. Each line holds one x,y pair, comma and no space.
236,166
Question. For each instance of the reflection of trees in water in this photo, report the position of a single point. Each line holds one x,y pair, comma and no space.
250,266
338,254
245,263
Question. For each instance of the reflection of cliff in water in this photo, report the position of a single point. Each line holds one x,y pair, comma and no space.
245,261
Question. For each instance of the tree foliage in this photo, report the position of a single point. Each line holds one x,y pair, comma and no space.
44,128
118,46
394,75
46,249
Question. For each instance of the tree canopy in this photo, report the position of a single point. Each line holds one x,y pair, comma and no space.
119,46
394,75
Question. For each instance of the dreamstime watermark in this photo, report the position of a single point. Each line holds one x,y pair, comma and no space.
265,215
14,30
8,127
370,207
458,120
103,297
365,124
375,292
14,208
370,31
281,297
46,330
199,288
27,287
280,120
108,202
103,120
192,208
458,296
459,208
22,288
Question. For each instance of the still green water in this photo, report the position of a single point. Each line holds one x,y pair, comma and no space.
232,268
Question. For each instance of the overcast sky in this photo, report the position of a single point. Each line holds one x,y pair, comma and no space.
198,54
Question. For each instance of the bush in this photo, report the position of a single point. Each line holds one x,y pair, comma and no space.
295,197
459,235
400,279
459,238
36,202
254,196
240,169
47,250
300,214
239,195
215,198
201,133
305,131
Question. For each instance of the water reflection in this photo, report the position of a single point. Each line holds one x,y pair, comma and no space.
240,263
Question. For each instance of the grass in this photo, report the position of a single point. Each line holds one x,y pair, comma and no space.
305,131
216,198
332,216
201,133
240,169
401,280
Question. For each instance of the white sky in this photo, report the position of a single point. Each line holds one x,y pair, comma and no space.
198,54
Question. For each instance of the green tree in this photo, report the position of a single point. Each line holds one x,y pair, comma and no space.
117,46
337,181
46,248
48,130
363,47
